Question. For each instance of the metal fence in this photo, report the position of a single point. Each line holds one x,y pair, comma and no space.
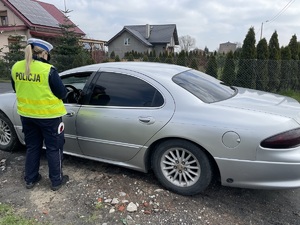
266,75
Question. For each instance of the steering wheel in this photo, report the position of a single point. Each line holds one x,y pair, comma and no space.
73,94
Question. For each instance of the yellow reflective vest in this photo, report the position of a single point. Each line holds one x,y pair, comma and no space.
34,96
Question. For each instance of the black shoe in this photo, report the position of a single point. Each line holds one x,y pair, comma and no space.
31,184
64,180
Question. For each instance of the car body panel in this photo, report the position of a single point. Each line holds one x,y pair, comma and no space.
259,174
264,102
118,133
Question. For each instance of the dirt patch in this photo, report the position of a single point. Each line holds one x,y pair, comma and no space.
102,194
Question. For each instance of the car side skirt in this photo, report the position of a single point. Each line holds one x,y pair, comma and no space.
117,163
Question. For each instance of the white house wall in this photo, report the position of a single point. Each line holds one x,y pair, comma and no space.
172,42
13,20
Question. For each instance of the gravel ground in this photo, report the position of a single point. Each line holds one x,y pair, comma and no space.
99,193
103,194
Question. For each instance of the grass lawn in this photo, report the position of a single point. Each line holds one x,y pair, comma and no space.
9,217
292,94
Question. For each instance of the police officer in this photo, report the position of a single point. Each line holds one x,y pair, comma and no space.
39,92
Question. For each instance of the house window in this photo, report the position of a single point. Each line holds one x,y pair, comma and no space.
3,18
127,41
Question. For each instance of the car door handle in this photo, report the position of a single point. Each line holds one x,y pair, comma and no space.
147,119
70,114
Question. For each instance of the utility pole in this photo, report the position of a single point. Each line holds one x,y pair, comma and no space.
262,27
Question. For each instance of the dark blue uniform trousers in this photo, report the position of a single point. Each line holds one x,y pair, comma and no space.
37,132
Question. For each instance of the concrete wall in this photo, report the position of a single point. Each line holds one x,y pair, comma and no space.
120,48
227,47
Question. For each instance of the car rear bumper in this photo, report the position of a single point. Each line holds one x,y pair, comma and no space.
259,174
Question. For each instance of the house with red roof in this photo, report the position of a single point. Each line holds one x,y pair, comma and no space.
32,18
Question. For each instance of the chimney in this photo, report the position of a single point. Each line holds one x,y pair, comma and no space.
147,31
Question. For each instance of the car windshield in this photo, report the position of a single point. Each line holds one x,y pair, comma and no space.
203,86
78,80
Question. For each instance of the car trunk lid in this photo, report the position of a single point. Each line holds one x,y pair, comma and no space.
264,102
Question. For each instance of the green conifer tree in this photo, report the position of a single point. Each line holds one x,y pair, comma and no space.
262,78
145,58
117,58
212,67
181,59
274,63
194,63
206,50
130,57
113,55
68,52
229,74
15,53
295,77
157,59
169,59
299,50
286,71
246,74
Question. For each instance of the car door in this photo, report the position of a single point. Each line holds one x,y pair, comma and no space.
77,80
132,109
71,143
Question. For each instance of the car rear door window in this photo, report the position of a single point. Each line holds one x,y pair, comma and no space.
203,86
116,89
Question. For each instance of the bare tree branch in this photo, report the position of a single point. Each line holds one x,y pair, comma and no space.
187,43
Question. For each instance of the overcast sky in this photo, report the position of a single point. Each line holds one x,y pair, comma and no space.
209,22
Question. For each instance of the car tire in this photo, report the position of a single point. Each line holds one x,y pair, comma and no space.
8,137
182,167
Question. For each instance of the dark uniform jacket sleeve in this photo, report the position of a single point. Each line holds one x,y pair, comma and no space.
56,85
13,84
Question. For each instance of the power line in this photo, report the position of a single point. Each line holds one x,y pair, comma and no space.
281,11
276,16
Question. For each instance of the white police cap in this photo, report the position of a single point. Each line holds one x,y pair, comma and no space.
40,43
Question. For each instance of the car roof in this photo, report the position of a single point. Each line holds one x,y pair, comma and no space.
152,69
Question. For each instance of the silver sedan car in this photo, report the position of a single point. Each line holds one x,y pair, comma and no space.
186,126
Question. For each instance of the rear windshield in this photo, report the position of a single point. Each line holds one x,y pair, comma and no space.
203,86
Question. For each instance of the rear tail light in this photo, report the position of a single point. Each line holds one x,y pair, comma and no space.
288,139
